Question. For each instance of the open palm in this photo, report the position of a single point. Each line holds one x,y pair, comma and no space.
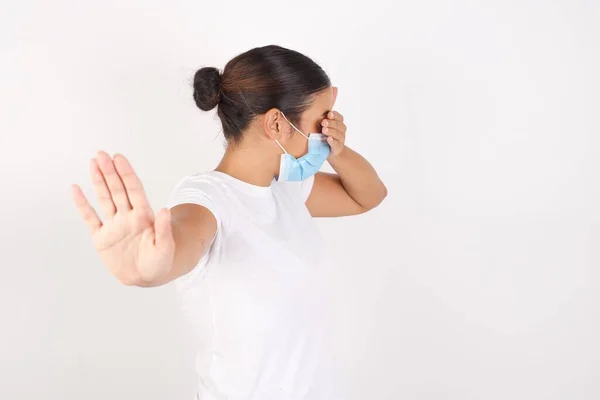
135,245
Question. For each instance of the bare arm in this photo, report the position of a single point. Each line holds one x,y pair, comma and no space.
138,247
355,189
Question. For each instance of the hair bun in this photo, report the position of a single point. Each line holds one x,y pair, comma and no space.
207,88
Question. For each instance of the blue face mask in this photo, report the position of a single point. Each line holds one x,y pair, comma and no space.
292,169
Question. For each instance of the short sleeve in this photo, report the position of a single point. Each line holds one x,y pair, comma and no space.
202,190
306,187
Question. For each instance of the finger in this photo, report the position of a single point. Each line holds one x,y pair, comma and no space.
86,211
335,115
334,124
113,180
101,189
335,145
133,185
162,228
334,133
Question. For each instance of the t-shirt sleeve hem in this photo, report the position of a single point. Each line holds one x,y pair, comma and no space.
186,192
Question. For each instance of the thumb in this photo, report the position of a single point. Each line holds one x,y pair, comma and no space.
163,230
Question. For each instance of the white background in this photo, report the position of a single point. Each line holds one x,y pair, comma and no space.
477,278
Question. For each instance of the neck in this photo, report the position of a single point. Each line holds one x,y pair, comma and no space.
255,164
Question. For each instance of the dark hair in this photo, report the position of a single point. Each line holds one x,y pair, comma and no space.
256,81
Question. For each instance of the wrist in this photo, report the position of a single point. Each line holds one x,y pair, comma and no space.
333,157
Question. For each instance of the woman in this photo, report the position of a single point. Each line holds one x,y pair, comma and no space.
239,241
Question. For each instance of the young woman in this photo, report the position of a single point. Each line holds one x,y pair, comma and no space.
239,241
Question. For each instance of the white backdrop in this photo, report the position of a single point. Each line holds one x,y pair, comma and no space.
477,278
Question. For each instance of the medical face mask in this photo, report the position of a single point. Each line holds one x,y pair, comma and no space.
292,169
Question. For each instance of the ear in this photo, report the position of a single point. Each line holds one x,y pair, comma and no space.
274,124
335,93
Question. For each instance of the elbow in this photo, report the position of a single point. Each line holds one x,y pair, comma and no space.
381,194
384,193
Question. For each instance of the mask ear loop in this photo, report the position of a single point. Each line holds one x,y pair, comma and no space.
279,144
299,131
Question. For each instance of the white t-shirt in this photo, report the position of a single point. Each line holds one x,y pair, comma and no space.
255,300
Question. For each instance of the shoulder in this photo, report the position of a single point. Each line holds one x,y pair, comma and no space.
202,188
200,181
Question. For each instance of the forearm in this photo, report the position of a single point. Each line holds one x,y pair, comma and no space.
359,178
